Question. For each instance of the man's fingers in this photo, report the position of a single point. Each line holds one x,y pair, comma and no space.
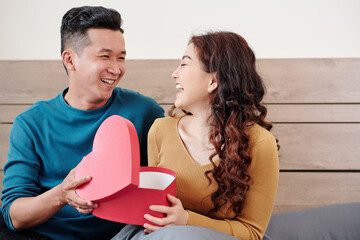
86,210
81,181
72,183
77,202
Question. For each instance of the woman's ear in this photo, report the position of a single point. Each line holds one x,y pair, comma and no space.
213,83
68,59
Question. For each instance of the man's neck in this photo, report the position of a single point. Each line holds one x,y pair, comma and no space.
81,103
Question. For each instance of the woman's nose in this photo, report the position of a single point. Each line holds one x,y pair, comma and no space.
175,74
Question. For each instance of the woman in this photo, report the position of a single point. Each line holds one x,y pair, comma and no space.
224,156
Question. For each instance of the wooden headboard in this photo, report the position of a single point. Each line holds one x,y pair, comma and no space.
313,103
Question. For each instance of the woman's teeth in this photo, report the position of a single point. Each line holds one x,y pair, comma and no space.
179,87
108,81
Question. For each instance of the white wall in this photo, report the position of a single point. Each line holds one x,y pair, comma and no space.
159,29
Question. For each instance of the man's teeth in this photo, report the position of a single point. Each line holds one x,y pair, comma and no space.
108,81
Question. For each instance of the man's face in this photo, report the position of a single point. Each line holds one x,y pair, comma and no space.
98,68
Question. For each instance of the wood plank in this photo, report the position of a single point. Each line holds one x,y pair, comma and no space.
311,80
152,78
287,80
9,112
306,190
305,113
314,113
302,146
1,185
25,82
1,180
318,146
4,143
307,85
30,81
278,113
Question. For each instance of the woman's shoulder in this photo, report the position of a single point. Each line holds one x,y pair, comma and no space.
166,121
260,134
164,128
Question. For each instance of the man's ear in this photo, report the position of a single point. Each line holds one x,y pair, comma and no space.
68,59
213,83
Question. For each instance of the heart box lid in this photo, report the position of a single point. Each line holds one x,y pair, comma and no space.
114,162
122,189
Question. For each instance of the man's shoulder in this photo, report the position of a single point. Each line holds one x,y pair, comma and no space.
133,99
38,110
131,94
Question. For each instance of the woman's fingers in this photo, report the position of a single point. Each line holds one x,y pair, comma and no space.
160,208
174,200
150,228
158,221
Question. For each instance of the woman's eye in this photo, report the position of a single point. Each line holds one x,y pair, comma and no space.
104,56
183,64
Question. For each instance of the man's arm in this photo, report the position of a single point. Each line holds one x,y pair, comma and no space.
27,212
25,204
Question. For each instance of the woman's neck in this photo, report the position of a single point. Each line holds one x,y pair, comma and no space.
194,132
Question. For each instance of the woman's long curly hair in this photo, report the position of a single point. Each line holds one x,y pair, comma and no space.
235,107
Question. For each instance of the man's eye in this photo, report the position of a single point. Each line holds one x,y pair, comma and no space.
121,58
104,56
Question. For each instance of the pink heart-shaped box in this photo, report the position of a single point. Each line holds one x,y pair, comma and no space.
114,162
122,189
130,206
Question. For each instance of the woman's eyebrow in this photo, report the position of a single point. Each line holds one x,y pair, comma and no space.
186,56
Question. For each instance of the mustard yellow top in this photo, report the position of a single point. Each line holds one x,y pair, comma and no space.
166,149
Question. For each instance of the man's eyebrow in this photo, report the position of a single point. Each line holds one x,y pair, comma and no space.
109,50
186,56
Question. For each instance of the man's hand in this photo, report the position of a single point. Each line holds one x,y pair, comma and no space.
28,212
70,197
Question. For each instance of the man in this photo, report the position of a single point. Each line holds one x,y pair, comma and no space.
49,139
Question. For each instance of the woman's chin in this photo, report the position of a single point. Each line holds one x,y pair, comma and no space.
177,104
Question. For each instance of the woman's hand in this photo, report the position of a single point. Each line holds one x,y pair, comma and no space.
175,215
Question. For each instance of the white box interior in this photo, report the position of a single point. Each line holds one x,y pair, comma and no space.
155,180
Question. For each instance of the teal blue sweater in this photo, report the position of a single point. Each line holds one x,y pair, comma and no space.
50,139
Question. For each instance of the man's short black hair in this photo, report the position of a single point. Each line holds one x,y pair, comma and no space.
77,21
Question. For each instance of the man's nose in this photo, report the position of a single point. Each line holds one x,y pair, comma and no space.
115,68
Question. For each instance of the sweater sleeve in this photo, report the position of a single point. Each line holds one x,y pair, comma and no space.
154,112
153,150
21,170
258,206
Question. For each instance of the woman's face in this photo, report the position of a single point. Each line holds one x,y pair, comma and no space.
193,82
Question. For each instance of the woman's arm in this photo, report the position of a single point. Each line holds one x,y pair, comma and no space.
260,198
